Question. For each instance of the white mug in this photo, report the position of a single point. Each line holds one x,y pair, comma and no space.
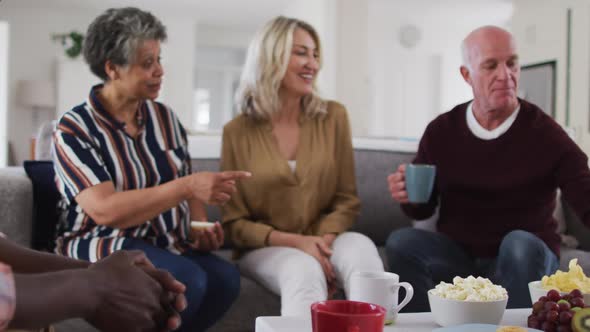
380,288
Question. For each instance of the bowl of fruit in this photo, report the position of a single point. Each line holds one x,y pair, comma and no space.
469,300
556,312
536,290
563,282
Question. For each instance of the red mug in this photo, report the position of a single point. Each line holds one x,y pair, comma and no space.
346,316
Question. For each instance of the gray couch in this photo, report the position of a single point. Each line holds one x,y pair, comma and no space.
379,216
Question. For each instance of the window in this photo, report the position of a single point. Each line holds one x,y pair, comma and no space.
202,109
217,77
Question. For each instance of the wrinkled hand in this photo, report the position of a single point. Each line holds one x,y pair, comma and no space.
317,247
397,185
208,239
215,188
129,294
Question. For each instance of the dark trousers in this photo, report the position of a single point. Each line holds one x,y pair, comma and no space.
212,284
425,258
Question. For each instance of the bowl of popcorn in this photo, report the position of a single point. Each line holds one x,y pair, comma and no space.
467,300
563,282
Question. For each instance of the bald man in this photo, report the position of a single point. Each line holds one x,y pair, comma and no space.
499,162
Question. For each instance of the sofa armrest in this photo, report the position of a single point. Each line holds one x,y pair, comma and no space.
16,205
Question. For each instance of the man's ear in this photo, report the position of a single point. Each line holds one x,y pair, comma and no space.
112,70
466,74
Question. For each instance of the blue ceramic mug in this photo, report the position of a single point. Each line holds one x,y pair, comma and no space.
419,182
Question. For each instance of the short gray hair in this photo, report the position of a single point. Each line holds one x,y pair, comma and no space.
116,34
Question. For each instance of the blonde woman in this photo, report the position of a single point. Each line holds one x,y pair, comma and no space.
289,221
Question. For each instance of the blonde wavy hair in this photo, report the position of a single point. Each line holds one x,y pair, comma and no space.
266,64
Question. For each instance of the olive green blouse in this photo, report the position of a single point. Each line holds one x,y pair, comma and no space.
318,198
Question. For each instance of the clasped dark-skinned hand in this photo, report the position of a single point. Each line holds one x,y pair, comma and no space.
130,294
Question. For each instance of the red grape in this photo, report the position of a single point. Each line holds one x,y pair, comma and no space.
538,306
576,293
565,317
564,305
553,295
554,313
549,327
533,322
541,315
550,305
552,316
577,302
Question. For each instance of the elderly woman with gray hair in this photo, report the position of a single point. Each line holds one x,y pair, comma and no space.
124,171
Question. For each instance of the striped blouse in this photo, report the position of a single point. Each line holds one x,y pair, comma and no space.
91,147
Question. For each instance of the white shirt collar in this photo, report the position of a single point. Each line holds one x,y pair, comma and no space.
485,134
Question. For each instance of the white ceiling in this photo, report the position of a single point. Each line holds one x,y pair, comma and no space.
210,12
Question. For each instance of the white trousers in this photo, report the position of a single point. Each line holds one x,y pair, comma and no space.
298,278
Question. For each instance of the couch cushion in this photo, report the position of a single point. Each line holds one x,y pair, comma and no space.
45,199
576,227
568,254
379,215
16,205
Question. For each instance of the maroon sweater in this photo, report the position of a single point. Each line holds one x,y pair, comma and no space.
489,188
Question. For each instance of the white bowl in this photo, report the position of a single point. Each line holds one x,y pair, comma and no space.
448,312
536,291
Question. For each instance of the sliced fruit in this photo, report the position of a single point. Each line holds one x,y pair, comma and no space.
581,320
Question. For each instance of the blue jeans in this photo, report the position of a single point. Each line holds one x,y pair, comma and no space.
425,258
212,284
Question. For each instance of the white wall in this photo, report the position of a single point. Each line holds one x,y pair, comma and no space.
33,55
225,36
540,28
178,59
352,82
69,73
579,118
412,83
4,42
